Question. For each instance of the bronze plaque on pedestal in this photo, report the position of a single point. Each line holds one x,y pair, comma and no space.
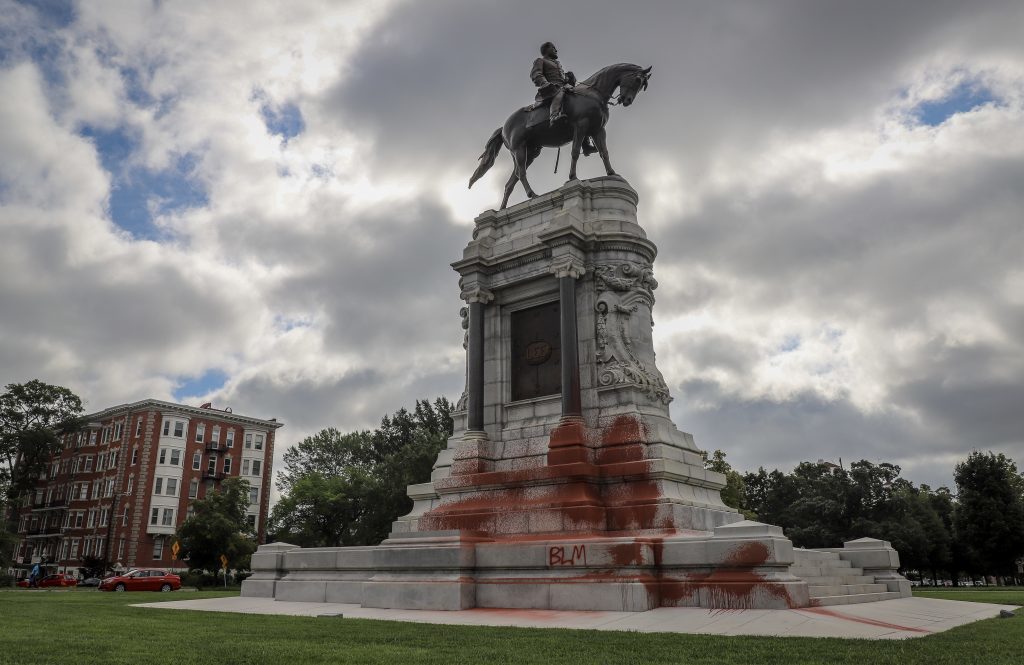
536,352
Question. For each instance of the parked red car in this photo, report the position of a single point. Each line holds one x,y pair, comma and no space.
144,579
55,580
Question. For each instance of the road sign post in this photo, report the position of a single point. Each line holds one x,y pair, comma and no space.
224,565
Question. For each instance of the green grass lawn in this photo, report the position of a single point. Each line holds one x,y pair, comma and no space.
80,627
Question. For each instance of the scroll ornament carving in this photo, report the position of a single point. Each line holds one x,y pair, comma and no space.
461,405
621,289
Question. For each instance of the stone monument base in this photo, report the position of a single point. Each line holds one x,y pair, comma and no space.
745,565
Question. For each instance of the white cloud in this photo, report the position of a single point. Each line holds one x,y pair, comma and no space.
826,262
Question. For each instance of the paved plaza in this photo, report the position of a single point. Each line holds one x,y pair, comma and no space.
891,619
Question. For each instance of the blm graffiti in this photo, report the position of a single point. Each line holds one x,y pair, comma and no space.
564,556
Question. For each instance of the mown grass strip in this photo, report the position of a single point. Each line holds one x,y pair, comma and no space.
89,627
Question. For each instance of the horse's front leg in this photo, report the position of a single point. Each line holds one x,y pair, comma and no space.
579,132
602,148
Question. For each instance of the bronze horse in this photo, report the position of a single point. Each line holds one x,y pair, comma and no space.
586,110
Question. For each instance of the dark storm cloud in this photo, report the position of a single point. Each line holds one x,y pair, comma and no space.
383,279
435,78
807,427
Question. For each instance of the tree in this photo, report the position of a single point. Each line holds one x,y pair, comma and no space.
990,516
33,415
218,526
733,493
346,489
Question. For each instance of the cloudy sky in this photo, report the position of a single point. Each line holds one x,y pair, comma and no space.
256,203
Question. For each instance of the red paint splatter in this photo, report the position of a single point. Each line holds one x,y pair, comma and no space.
864,620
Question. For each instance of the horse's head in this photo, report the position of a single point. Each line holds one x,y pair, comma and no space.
632,83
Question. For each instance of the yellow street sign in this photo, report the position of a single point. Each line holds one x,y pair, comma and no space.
224,561
175,548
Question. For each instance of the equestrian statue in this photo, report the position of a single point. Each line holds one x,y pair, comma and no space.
564,111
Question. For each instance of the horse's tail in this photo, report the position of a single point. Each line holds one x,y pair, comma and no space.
487,159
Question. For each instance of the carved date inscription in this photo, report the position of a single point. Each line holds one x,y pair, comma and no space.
565,556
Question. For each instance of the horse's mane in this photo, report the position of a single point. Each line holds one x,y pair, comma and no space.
601,78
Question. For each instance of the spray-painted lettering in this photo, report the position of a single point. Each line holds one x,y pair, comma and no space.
577,556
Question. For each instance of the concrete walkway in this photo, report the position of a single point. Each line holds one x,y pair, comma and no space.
889,619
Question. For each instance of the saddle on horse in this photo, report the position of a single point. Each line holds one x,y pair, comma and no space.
538,114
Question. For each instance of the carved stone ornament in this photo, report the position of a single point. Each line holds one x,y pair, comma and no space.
622,289
464,314
568,266
477,294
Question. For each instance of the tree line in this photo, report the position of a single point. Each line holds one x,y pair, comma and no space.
340,489
976,531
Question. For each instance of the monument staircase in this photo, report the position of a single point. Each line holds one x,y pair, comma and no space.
834,581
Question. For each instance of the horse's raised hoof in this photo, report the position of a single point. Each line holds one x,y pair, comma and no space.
531,195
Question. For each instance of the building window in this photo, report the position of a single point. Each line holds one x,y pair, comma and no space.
135,456
65,544
154,516
172,487
197,461
215,436
168,517
92,518
124,517
109,490
245,467
158,548
113,458
179,429
79,519
128,487
92,438
230,438
252,521
74,548
193,489
104,517
88,464
120,549
167,427
248,440
259,442
227,465
83,491
158,488
255,467
254,495
163,456
211,464
117,431
200,432
138,426
175,457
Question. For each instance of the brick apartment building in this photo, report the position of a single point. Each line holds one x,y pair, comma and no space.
120,488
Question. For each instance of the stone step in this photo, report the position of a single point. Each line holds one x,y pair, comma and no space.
826,580
854,599
825,591
808,555
811,571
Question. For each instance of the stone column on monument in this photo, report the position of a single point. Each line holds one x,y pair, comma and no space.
567,439
473,453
